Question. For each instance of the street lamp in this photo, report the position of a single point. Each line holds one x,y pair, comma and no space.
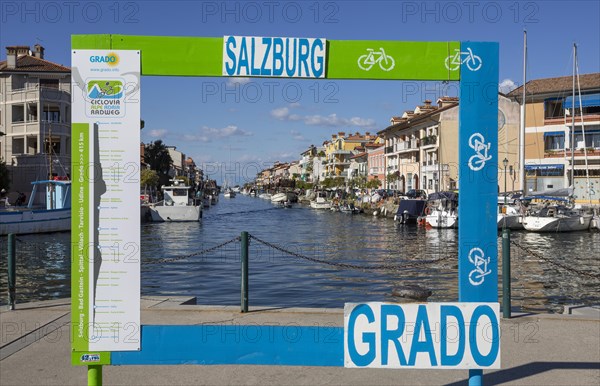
505,163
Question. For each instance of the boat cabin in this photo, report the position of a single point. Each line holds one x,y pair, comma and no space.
176,194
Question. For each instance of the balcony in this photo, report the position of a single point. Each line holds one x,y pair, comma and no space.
434,167
592,152
429,140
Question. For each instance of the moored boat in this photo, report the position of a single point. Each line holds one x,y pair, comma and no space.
176,205
442,210
320,201
54,216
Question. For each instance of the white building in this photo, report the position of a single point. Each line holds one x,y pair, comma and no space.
35,116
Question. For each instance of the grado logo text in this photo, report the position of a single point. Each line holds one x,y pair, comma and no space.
111,59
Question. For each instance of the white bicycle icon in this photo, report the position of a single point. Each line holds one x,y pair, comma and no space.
473,61
478,160
478,259
367,61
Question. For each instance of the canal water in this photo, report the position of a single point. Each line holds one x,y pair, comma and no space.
390,253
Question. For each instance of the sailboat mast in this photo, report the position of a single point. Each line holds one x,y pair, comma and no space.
573,121
522,125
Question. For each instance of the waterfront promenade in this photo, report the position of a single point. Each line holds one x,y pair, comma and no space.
537,349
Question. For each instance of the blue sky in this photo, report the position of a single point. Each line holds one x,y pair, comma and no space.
234,126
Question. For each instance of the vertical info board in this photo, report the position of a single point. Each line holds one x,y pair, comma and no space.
478,172
427,336
105,232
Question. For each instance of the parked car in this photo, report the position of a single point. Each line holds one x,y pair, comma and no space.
416,193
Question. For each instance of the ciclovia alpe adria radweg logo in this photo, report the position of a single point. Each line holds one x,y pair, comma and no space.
106,97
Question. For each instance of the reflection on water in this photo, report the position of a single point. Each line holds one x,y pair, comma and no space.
278,279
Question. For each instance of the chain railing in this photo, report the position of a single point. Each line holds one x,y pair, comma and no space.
555,263
348,265
202,252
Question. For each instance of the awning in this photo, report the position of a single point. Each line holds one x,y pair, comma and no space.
586,101
553,133
545,167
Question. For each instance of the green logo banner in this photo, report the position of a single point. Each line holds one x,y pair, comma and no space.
382,59
346,59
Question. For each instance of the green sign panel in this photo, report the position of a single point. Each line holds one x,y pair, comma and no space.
382,59
345,59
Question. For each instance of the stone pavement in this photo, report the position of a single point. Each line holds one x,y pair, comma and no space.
537,349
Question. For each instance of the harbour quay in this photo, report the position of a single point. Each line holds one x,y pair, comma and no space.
536,349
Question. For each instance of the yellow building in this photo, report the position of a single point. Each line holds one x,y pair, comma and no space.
549,122
339,150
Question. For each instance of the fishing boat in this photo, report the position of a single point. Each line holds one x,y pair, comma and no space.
320,201
176,205
53,216
442,210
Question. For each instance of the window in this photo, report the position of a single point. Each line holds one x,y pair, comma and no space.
553,108
32,114
51,114
18,145
554,142
592,139
50,83
31,145
18,113
409,178
55,149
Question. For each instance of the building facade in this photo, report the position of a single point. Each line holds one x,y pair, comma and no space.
421,146
35,116
562,141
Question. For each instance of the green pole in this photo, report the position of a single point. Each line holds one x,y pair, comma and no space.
95,375
244,258
506,273
11,271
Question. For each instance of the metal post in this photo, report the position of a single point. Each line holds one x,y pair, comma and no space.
475,377
95,375
11,271
244,259
506,273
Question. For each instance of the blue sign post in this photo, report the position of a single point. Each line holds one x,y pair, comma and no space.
478,177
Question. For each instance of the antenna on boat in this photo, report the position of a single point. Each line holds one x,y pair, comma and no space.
572,182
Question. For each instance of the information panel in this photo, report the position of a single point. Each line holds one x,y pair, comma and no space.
106,209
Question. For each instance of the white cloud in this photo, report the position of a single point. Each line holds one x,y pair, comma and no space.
331,120
297,135
157,133
506,86
238,81
209,134
281,113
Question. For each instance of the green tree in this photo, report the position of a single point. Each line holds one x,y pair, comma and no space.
157,156
4,177
186,181
148,177
373,184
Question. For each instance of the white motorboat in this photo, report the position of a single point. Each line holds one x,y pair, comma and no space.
176,205
229,193
442,210
279,197
320,202
55,216
557,218
265,196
